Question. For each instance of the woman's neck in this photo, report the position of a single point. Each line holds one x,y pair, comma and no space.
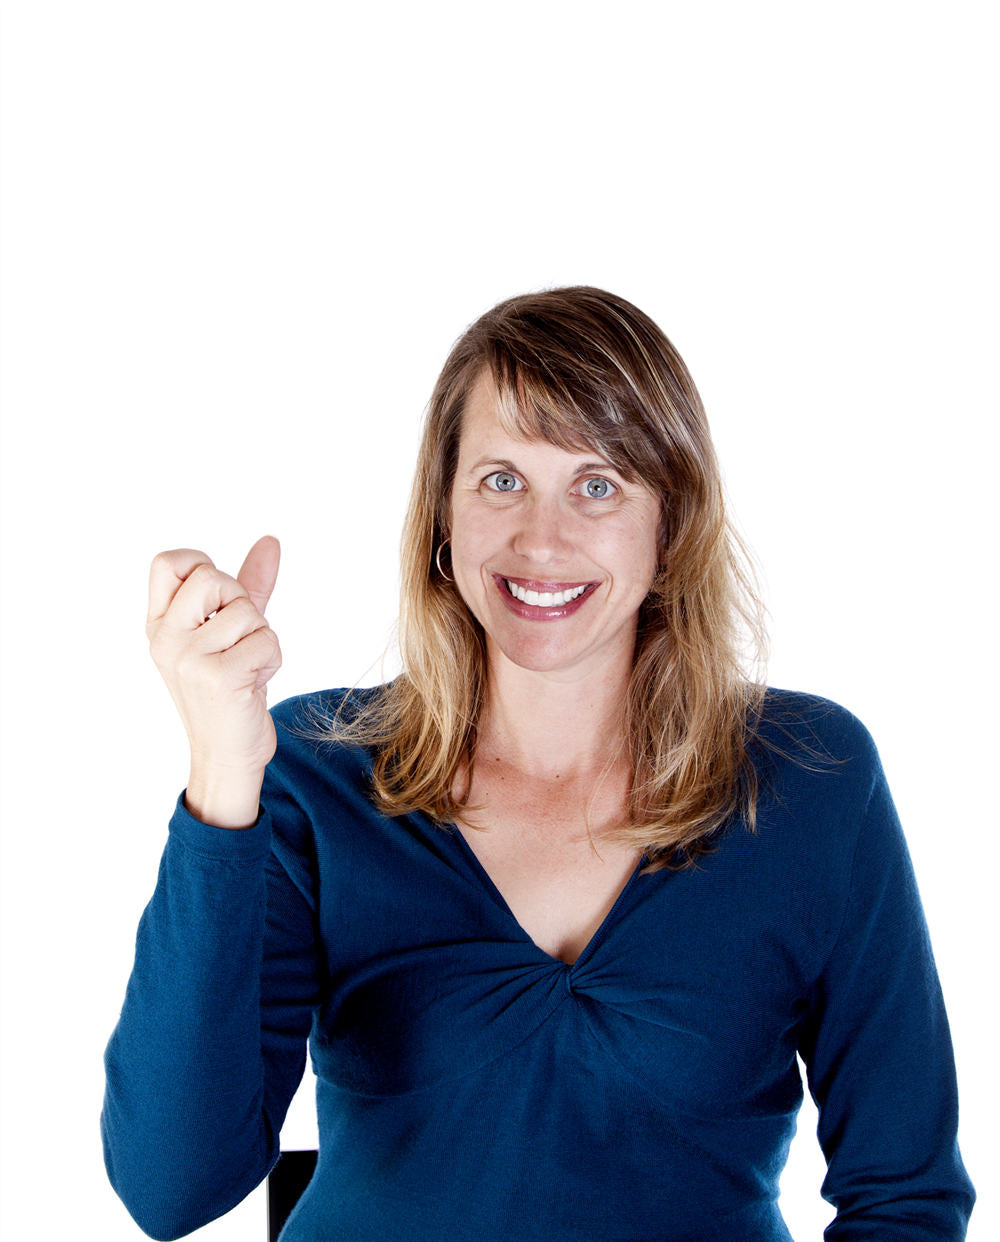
548,726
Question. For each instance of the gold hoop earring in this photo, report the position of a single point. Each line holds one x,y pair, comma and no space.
437,561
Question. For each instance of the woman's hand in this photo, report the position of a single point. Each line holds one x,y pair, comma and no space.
216,652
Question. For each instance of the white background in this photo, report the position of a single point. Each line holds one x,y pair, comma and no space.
239,240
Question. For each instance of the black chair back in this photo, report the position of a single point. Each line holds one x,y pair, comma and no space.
285,1184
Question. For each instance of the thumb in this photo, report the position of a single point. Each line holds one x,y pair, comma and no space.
260,570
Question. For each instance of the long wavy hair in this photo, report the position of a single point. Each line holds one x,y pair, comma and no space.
581,366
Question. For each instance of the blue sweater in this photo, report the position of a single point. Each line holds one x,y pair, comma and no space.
471,1087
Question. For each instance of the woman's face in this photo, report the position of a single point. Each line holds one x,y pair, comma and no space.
551,523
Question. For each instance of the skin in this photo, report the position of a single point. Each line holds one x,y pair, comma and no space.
550,524
211,642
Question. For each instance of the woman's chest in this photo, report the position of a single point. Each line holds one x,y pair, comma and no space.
546,858
558,893
695,977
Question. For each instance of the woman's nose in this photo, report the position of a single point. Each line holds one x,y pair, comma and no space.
544,535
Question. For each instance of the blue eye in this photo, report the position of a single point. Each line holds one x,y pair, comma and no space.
505,481
599,489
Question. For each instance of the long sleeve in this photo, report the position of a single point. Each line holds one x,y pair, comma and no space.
879,1056
211,1042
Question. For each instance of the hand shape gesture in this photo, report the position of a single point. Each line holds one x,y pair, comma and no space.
209,638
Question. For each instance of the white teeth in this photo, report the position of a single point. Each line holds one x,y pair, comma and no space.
546,599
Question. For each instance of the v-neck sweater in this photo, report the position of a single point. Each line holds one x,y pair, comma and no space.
472,1087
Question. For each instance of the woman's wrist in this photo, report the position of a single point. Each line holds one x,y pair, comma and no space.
223,797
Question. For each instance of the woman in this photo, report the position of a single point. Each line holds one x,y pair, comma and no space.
561,903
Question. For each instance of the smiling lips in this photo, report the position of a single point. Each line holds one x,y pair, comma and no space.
543,601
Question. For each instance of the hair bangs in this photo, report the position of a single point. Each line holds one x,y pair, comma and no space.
538,401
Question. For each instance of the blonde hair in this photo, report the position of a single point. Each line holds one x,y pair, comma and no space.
579,366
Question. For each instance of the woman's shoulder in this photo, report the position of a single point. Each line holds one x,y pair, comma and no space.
316,774
806,722
817,748
313,736
319,711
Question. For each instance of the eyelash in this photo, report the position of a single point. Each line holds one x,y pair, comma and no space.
591,478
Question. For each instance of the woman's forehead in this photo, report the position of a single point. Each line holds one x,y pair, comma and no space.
487,418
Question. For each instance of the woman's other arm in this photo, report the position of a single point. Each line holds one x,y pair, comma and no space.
879,1057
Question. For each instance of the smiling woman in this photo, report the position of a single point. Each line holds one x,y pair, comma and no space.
566,444
557,908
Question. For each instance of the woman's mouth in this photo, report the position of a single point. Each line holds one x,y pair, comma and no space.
543,601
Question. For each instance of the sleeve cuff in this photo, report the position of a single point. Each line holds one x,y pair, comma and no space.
227,844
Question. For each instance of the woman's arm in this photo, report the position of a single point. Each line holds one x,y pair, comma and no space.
211,1043
879,1056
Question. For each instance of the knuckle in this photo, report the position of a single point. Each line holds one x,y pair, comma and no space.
156,643
203,573
172,557
243,606
257,638
261,645
210,579
230,666
163,647
184,664
215,675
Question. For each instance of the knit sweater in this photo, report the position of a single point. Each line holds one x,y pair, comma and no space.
471,1087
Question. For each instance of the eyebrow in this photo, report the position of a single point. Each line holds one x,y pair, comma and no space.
509,465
